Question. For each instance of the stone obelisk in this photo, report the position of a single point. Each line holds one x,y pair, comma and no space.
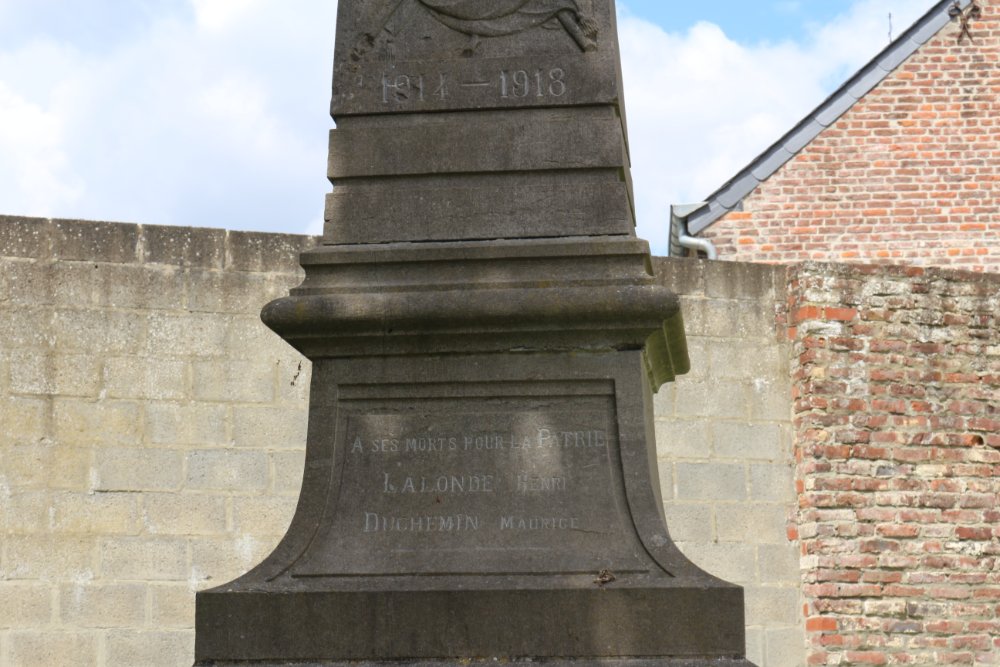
486,336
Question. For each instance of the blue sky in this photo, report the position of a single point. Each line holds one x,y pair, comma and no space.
744,21
213,112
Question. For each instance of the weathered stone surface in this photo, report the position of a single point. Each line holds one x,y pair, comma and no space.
479,209
104,242
151,649
527,662
431,55
145,558
508,492
492,122
486,335
24,237
43,647
192,247
102,605
25,605
539,140
265,253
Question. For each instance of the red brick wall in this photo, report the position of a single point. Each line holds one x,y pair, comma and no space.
896,388
910,175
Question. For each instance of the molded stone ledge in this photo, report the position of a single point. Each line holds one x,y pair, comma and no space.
428,322
566,294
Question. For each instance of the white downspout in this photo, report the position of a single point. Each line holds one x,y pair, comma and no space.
678,218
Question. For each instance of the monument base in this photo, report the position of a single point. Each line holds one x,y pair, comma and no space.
661,616
562,662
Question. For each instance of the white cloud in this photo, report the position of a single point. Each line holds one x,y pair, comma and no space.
221,14
788,6
176,123
238,107
35,164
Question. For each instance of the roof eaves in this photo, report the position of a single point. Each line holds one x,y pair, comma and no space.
729,196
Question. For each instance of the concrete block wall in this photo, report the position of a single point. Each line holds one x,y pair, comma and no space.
151,432
724,446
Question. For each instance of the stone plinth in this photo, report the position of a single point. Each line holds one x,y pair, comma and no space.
486,335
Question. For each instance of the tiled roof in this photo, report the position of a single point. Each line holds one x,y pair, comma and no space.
730,196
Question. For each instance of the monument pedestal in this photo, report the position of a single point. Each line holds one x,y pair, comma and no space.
479,478
486,336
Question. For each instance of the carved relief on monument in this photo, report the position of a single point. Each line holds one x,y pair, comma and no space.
509,17
470,42
478,19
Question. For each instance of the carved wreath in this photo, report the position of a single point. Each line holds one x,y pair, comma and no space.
495,18
487,18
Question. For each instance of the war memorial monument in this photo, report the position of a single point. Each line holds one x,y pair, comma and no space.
486,337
